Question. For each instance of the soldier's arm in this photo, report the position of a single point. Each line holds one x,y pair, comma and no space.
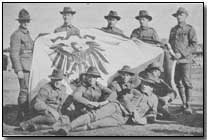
78,96
155,36
192,39
15,45
40,103
133,34
111,95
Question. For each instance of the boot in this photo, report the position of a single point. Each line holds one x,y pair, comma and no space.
80,121
182,96
188,109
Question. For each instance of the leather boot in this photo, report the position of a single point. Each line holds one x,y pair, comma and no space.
188,109
182,96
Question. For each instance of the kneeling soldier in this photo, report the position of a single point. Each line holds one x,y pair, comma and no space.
47,104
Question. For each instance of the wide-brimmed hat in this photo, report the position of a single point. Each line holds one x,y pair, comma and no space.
24,15
126,69
112,14
67,10
57,74
93,72
143,13
180,11
155,66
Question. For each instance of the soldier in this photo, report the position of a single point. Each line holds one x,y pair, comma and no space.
67,26
135,95
47,104
183,40
144,32
163,91
112,19
21,53
87,96
114,112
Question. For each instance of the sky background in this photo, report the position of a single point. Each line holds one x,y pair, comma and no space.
46,17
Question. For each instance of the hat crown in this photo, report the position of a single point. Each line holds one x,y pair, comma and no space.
67,10
125,68
24,14
57,74
155,65
143,13
113,13
180,11
93,71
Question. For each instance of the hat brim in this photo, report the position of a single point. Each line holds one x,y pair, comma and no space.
94,75
55,78
148,17
176,14
23,19
123,71
69,12
116,17
156,68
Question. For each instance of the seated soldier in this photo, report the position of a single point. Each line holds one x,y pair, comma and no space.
47,104
163,91
88,95
129,95
132,104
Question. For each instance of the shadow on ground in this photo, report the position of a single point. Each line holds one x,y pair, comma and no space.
10,113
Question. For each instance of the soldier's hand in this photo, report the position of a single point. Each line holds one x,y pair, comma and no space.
178,55
94,104
20,75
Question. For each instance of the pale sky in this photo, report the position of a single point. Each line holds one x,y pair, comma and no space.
46,17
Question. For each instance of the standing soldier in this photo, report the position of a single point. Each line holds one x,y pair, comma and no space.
67,26
144,32
21,57
183,40
112,18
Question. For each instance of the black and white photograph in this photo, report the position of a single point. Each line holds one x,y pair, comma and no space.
102,69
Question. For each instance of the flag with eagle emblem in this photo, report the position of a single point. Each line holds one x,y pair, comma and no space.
75,54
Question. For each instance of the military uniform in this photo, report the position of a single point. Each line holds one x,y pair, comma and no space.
21,52
183,41
113,30
145,33
70,29
133,100
82,95
46,106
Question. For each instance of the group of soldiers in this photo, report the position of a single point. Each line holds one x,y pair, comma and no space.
126,99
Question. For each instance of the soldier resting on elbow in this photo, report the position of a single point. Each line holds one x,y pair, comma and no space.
161,89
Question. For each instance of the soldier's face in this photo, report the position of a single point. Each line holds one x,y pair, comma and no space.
91,80
181,17
111,22
143,21
57,83
24,24
67,17
125,77
156,73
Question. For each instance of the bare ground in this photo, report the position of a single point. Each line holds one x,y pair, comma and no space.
184,125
